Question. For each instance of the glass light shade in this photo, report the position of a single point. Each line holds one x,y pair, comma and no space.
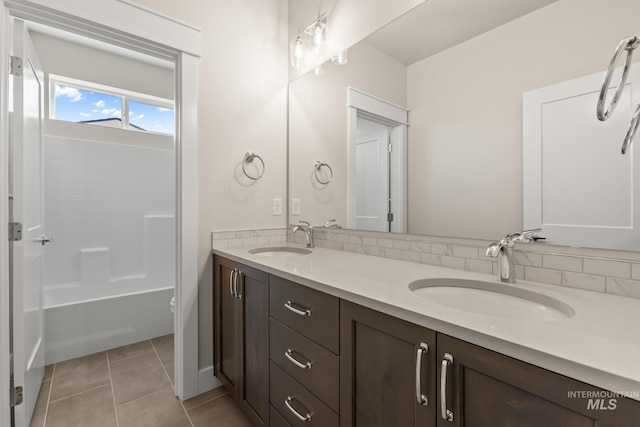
298,51
340,58
318,71
318,32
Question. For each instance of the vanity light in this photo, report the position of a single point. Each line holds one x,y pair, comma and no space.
340,58
312,40
318,32
298,52
318,71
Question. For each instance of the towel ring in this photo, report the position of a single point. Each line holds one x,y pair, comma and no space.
249,157
628,44
631,132
319,165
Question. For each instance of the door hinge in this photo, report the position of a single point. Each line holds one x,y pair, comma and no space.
390,147
15,66
16,395
390,217
15,231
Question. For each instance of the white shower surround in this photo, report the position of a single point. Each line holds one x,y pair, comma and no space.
110,274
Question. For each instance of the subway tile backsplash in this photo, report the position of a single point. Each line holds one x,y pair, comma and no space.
597,270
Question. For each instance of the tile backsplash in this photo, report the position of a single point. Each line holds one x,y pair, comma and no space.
599,270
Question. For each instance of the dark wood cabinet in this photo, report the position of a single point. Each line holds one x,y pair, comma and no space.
485,388
241,336
385,363
293,356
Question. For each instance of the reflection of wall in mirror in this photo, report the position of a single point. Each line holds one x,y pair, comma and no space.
465,138
318,127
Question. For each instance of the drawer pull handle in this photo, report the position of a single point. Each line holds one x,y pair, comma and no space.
421,398
232,274
289,355
289,306
301,417
446,413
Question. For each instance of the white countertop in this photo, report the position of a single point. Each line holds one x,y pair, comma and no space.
599,345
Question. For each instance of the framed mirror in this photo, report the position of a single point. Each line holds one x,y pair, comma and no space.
459,69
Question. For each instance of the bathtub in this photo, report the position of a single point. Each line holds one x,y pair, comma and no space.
79,328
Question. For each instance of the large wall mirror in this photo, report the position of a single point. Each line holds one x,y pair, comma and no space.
453,164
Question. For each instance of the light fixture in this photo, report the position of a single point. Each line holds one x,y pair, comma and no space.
298,51
318,71
340,58
312,40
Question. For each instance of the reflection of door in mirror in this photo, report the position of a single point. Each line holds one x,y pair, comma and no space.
372,159
376,198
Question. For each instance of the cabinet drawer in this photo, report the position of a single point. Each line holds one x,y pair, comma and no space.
313,313
276,419
284,389
321,378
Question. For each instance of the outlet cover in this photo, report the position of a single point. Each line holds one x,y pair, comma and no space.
295,206
277,206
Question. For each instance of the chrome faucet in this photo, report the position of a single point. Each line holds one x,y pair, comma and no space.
308,232
503,250
332,224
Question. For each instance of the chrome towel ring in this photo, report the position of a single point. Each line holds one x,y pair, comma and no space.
627,44
249,157
318,166
631,132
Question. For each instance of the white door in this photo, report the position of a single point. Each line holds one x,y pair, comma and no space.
372,176
27,183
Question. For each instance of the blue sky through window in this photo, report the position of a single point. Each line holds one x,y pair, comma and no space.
78,105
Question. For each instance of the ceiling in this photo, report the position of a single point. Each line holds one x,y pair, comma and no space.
437,25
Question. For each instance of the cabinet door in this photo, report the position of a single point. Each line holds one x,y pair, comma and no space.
385,364
226,327
253,296
484,388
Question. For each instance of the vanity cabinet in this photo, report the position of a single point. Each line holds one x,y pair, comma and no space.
304,354
479,387
387,370
241,336
294,356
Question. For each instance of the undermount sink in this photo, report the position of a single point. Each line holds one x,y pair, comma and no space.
492,298
275,251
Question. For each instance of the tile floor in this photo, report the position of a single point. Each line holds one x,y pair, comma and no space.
129,386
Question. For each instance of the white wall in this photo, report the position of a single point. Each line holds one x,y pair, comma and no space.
318,119
242,107
465,138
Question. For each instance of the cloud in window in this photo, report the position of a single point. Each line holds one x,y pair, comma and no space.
99,103
85,114
113,112
72,93
163,109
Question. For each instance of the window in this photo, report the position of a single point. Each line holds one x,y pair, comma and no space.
88,103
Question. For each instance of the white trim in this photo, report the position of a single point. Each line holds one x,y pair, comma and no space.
206,380
362,104
186,318
377,106
4,219
127,26
112,20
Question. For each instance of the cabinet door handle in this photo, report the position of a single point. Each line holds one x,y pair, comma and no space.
232,275
305,312
289,355
301,417
421,398
239,284
446,414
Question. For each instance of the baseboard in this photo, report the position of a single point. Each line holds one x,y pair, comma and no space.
206,380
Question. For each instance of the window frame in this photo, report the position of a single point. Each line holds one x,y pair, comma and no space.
125,95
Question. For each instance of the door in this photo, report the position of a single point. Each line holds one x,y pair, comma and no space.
372,176
27,188
479,388
387,370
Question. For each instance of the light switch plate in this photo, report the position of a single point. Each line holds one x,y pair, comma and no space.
277,206
295,206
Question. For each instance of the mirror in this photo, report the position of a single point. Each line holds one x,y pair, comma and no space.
459,68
